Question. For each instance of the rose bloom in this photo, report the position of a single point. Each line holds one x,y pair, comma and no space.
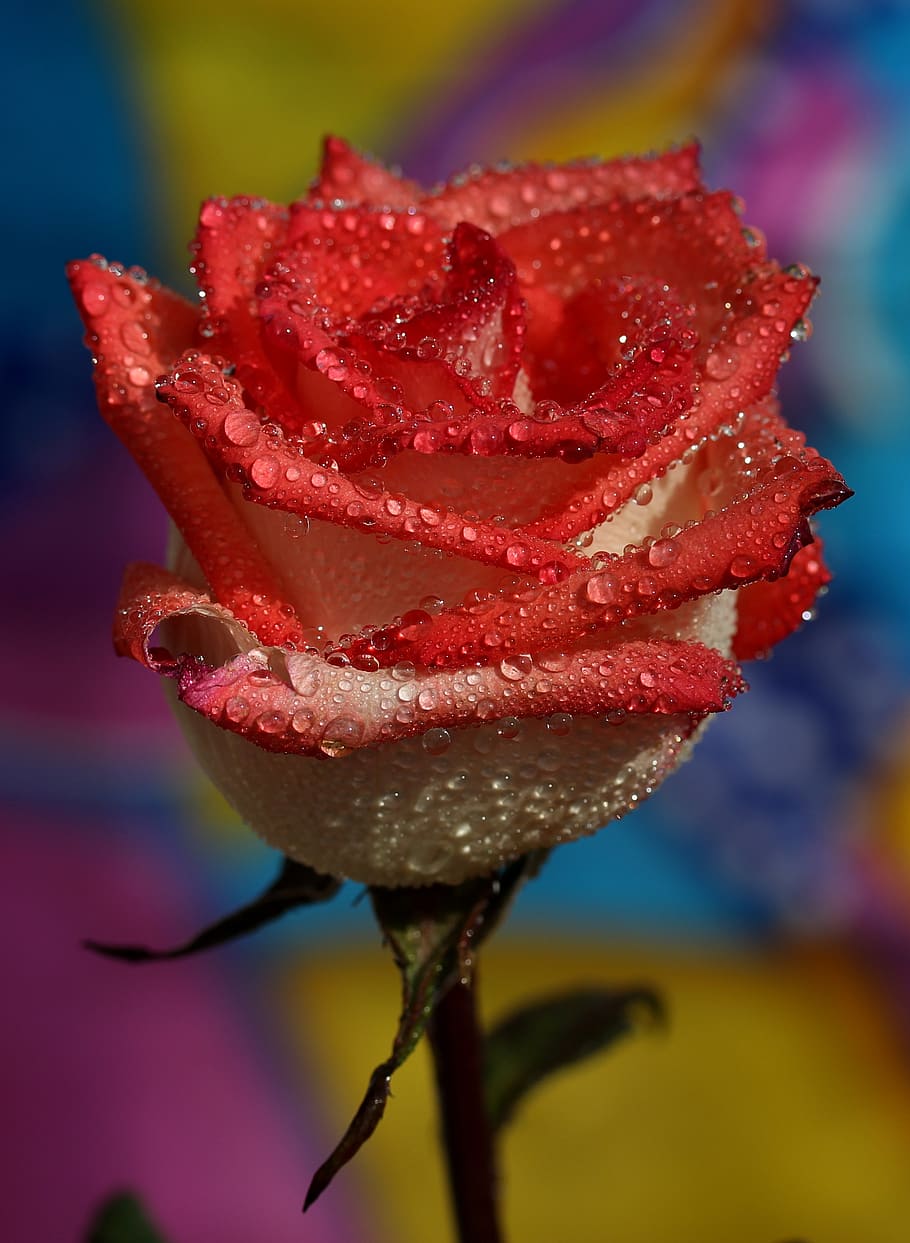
479,498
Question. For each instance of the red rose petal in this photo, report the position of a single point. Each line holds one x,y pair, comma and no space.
475,322
753,538
622,417
149,596
298,703
352,257
660,677
136,329
500,199
275,474
235,241
768,611
694,244
763,314
339,265
351,177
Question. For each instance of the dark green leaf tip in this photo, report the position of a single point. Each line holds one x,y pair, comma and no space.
296,885
554,1032
122,1219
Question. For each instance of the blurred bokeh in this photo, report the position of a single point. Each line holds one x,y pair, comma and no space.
765,889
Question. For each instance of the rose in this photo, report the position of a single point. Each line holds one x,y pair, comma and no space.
485,491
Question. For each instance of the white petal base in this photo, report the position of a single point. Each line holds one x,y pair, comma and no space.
397,815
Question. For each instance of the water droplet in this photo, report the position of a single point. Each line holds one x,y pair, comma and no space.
241,428
341,735
600,588
643,494
436,741
721,364
236,709
135,337
95,299
514,668
663,553
265,472
553,662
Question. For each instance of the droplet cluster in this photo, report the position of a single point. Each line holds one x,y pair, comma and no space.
450,805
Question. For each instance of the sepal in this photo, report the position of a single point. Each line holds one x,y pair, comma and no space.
433,933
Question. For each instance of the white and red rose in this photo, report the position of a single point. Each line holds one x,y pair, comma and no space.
480,496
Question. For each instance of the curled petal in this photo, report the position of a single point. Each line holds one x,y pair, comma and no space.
151,596
754,538
292,701
136,329
611,721
638,677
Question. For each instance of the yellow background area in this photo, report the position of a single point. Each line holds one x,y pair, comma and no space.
774,1108
239,101
236,98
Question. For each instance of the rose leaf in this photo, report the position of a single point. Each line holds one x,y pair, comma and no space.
549,1034
122,1219
295,885
433,932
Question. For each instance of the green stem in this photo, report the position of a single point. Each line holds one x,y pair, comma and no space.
458,1057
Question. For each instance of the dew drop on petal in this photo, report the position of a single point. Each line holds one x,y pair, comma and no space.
514,668
95,299
237,709
663,553
341,735
241,428
721,364
643,494
600,588
265,471
436,741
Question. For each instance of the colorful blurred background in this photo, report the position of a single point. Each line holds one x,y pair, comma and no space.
766,888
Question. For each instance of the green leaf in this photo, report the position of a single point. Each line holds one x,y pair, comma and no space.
122,1219
295,885
434,933
554,1032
